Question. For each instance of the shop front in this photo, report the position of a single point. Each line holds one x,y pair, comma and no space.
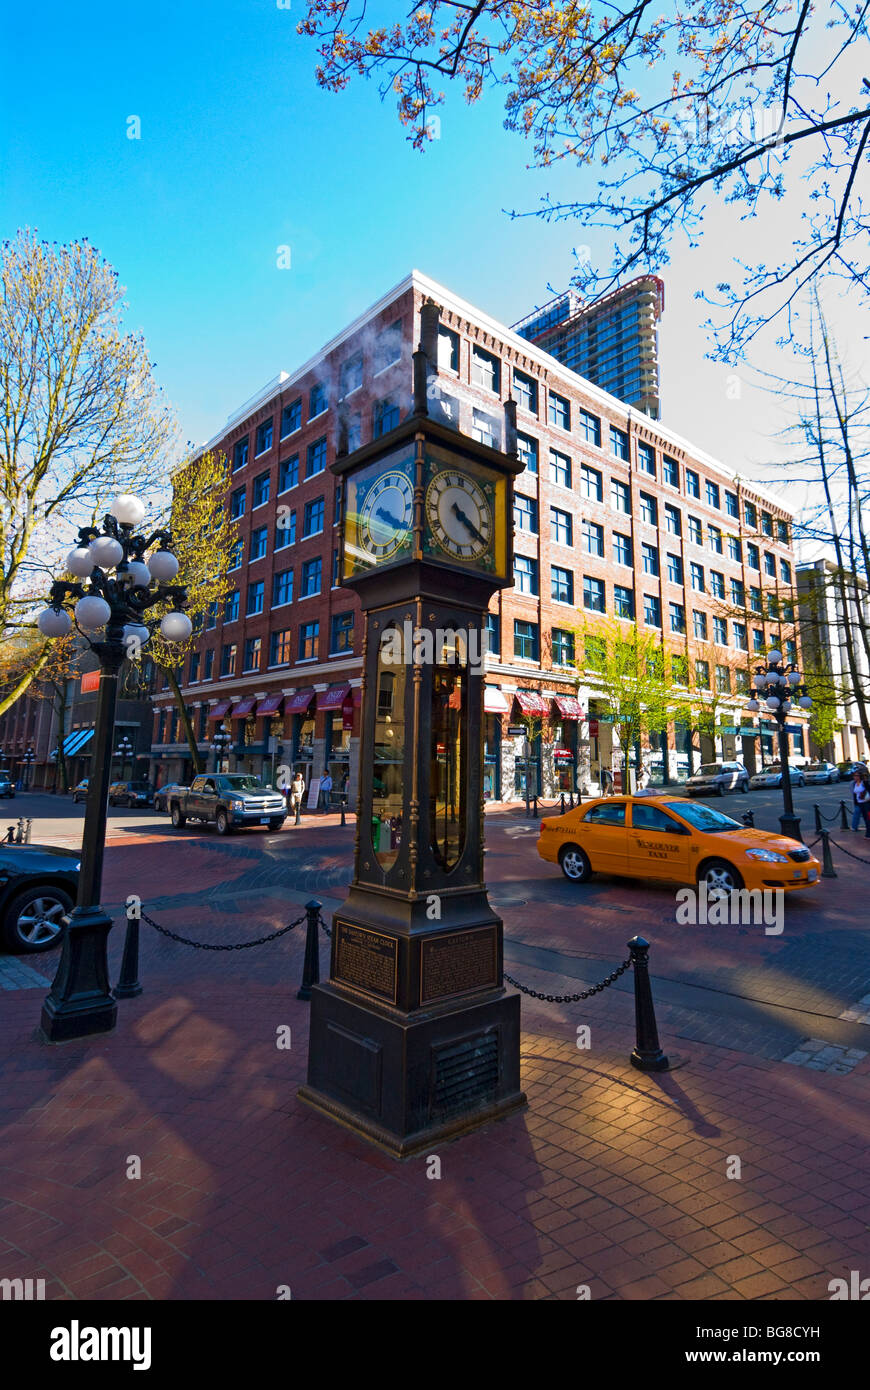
299,707
534,710
566,743
495,706
337,706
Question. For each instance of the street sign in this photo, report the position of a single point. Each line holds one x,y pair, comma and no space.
516,730
593,728
728,728
748,732
90,681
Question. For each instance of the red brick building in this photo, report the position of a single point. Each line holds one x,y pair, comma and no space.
615,515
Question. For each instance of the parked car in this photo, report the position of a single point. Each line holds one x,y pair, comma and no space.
673,839
80,790
717,779
821,772
772,777
7,784
230,799
162,794
847,769
38,885
130,794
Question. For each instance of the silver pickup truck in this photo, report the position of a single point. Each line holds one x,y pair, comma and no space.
230,799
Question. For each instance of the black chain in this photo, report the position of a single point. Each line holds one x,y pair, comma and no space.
837,845
323,924
571,998
208,946
834,817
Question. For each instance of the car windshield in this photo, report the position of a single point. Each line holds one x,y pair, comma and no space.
239,782
701,817
816,767
708,769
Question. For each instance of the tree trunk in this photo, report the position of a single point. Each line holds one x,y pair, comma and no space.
7,701
196,756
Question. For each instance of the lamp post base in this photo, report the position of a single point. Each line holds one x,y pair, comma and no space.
79,1002
790,825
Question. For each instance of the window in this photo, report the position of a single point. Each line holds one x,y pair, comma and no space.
237,554
315,461
337,499
231,607
526,391
309,635
620,497
260,490
755,599
611,814
675,568
527,451
767,524
741,682
291,418
485,369
696,577
282,588
717,584
560,469
720,632
593,538
209,664
699,625
723,680
693,483
758,639
782,532
646,458
652,611
770,565
589,427
732,506
448,349
341,632
525,513
253,651
526,640
622,549
738,593
317,400
680,670
312,574
785,571
563,647
772,606
788,612
240,453
735,550
561,527
228,659
750,515
493,634
350,378
285,528
194,668
648,509
714,535
740,641
591,485
280,652
593,594
237,504
702,674
336,555
559,411
255,597
312,517
264,436
259,542
650,558
385,417
618,443
525,574
211,616
354,431
595,653
696,532
670,471
623,601
713,495
562,585
288,473
673,524
677,615
485,428
791,651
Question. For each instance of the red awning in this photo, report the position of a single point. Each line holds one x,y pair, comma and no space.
243,707
334,697
530,702
494,701
569,707
219,710
298,703
270,705
563,754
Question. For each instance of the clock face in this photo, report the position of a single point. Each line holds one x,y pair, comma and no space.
386,515
459,515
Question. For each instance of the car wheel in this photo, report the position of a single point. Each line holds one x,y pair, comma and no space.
222,822
34,919
276,822
720,790
744,787
574,864
720,877
178,817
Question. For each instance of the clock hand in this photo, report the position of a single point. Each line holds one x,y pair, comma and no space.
468,523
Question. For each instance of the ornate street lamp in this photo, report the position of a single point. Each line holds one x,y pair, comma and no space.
220,742
110,598
28,760
777,689
124,751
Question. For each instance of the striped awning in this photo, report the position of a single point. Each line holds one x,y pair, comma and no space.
494,701
569,707
530,702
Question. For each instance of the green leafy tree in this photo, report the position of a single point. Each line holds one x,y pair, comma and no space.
629,666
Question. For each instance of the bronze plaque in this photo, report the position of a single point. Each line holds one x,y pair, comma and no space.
457,963
367,961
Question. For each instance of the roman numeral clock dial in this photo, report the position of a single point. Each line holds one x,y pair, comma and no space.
386,515
459,515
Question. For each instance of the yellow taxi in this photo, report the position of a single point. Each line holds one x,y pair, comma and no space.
675,839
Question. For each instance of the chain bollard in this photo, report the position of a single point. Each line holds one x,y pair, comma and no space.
647,1054
749,819
343,809
828,870
817,812
28,828
311,966
535,806
571,801
844,820
561,803
128,986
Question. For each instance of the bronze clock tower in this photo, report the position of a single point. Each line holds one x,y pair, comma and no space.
414,1038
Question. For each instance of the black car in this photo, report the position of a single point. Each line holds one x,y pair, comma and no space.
80,791
38,885
7,786
130,794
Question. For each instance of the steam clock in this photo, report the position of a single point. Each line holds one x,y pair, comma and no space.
414,1038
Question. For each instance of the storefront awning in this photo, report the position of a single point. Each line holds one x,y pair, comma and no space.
298,703
270,705
219,710
530,702
494,701
74,742
334,697
569,706
243,708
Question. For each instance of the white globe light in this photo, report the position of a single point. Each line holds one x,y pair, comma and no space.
163,565
753,705
772,702
106,552
775,657
80,561
794,677
805,702
92,612
127,509
139,573
54,622
176,627
759,680
136,633
786,705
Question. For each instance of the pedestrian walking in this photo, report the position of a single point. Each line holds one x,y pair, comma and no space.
606,781
861,800
325,790
295,792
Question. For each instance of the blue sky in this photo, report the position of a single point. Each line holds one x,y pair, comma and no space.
241,153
